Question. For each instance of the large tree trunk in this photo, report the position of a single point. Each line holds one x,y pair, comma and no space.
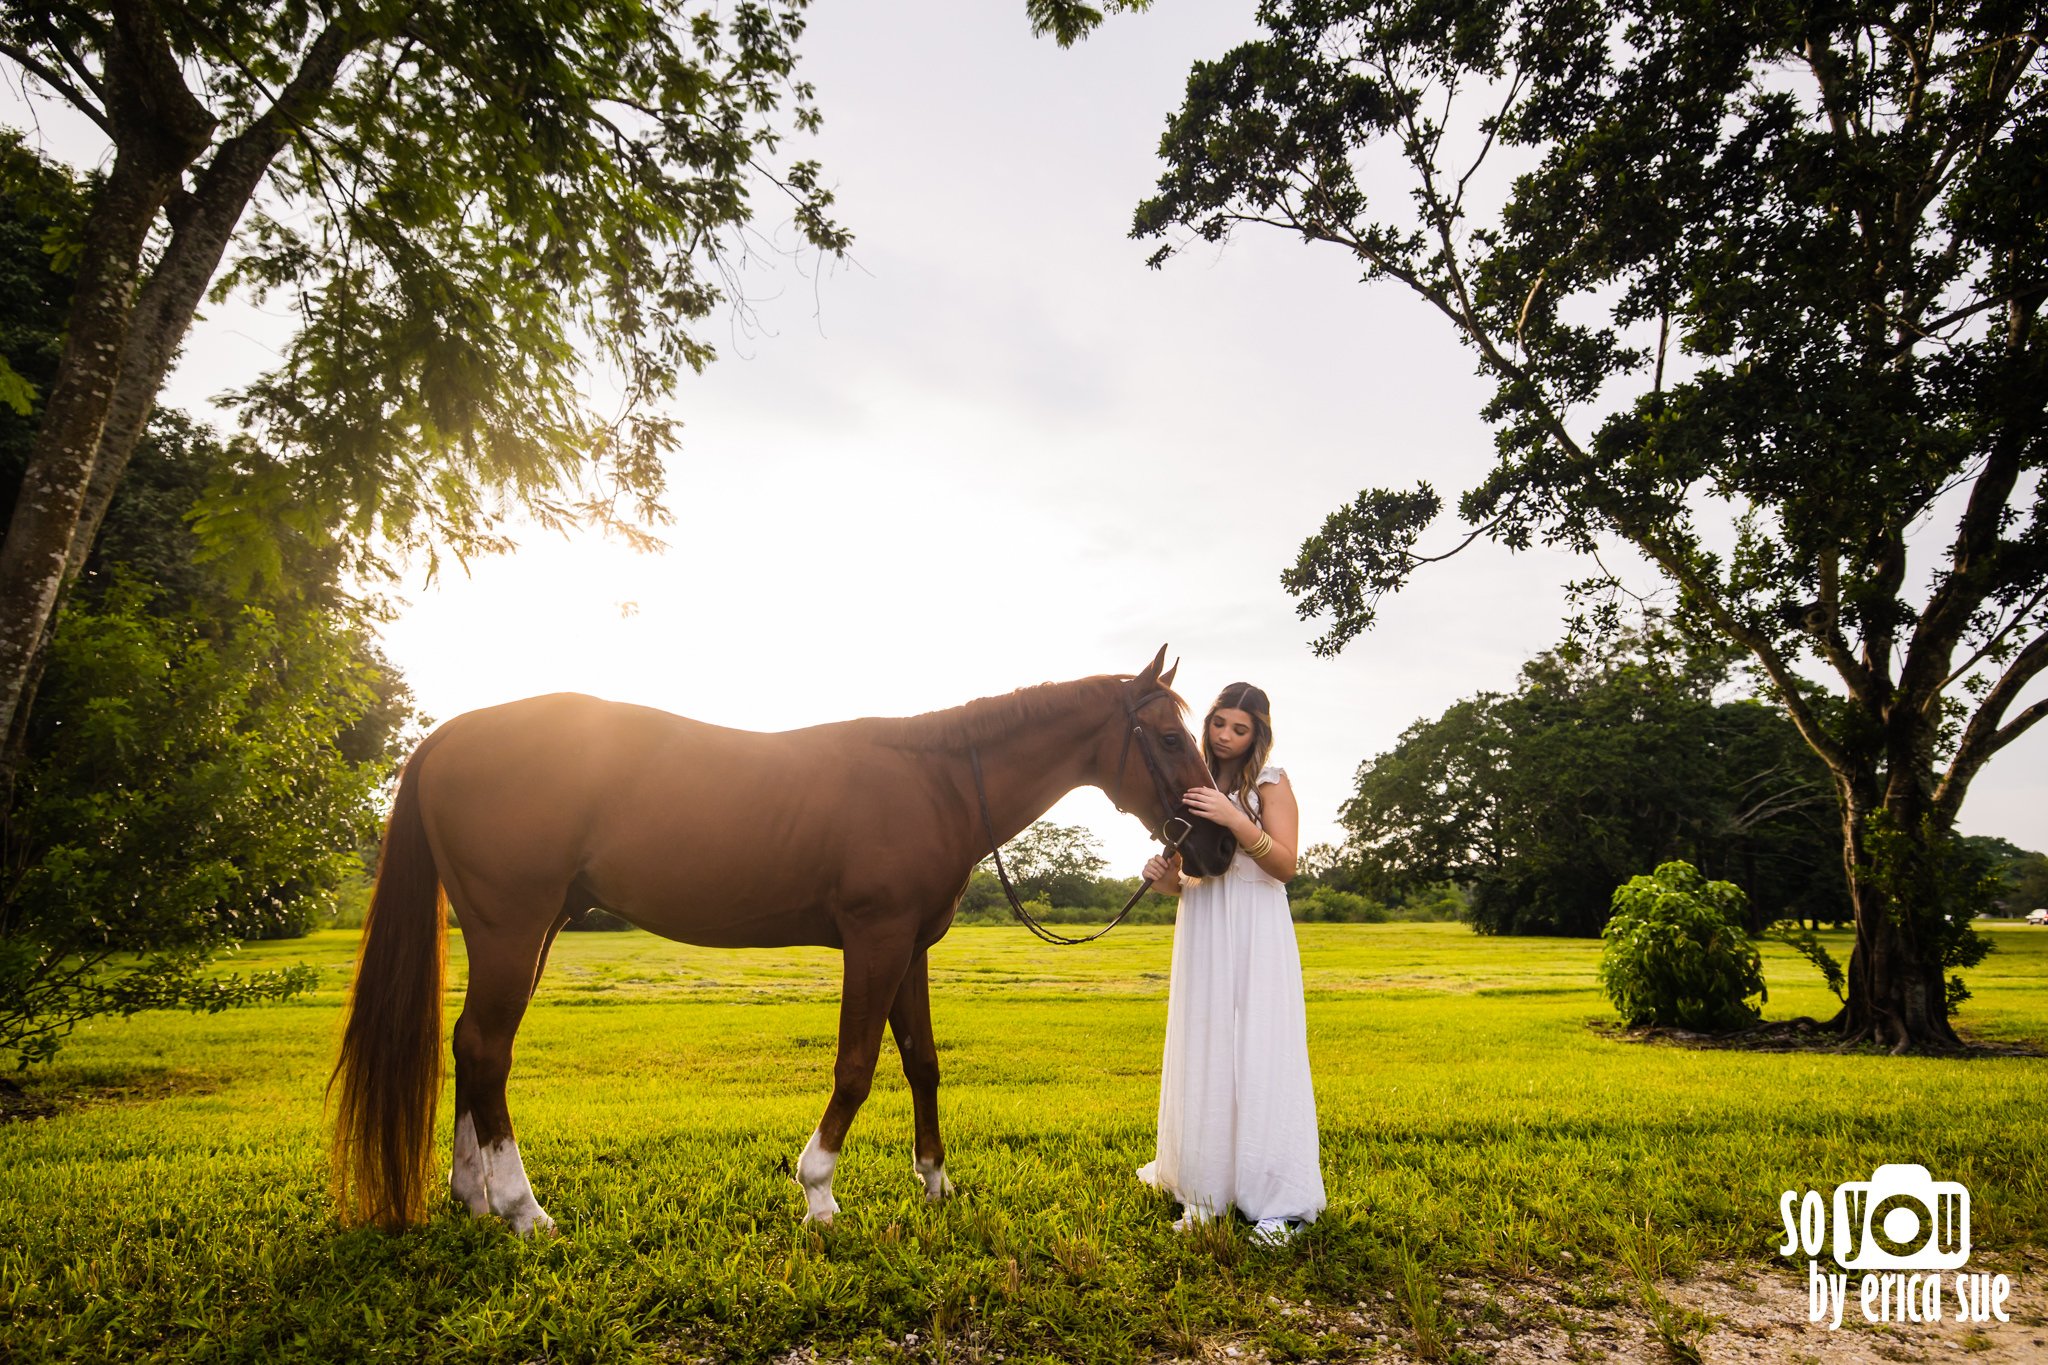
1897,991
120,340
37,552
159,130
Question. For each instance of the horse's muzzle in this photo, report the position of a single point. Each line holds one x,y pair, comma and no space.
1207,848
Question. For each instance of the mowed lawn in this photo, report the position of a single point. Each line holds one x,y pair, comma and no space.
1477,1129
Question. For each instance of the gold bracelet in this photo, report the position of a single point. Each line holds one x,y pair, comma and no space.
1261,848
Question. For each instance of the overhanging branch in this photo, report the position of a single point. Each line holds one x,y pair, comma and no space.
1988,730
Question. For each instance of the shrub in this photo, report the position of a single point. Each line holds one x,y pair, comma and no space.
193,796
1676,953
1326,905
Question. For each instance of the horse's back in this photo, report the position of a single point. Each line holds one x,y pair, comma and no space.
697,831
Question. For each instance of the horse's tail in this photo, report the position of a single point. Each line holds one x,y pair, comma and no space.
389,1071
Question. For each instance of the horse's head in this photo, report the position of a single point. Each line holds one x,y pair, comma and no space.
1152,761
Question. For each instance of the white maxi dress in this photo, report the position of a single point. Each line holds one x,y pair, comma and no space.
1237,1110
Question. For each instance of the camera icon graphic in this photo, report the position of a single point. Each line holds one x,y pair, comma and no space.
1901,1218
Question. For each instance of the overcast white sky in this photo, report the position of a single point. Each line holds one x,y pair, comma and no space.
997,450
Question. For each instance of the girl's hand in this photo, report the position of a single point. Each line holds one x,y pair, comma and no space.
1160,869
1215,807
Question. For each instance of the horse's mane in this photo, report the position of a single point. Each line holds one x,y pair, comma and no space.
987,719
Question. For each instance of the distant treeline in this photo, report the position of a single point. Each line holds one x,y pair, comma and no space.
1309,901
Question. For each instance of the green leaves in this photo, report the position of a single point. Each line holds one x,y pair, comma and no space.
188,789
1054,862
1069,21
1747,257
1540,801
16,392
1676,954
1363,552
499,212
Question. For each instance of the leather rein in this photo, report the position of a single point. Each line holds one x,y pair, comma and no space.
1170,833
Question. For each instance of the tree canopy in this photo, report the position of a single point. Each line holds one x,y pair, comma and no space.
1599,766
1781,265
481,213
1057,863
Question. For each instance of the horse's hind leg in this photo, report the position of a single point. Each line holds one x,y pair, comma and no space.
910,1019
873,973
504,959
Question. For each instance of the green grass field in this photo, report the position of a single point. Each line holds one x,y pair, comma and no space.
1477,1130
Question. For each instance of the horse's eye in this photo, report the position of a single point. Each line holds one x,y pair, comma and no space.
1171,741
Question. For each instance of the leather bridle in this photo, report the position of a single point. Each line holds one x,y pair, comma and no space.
1171,831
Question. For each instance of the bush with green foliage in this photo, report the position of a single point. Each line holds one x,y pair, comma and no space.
1327,905
192,793
1676,953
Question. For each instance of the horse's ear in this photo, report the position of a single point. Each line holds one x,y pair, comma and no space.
1150,677
1166,678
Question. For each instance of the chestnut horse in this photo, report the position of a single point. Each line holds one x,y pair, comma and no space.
858,835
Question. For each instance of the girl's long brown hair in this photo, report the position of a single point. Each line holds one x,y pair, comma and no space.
1240,696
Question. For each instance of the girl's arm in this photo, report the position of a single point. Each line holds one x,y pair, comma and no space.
1282,817
1282,821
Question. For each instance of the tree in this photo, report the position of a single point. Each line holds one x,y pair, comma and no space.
1060,864
1786,261
2022,874
1601,763
202,767
2030,883
188,791
462,201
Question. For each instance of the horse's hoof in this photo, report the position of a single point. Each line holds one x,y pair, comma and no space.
524,1226
936,1185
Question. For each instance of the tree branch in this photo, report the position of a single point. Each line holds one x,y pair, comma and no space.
1756,643
1987,733
58,82
1970,561
167,301
1833,643
1991,641
1492,132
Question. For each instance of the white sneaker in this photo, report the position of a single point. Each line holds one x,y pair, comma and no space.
1274,1232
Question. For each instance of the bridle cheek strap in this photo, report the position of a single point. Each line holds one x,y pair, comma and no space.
1170,832
1167,833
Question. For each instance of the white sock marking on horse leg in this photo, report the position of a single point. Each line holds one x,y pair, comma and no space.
466,1174
511,1197
933,1174
814,1172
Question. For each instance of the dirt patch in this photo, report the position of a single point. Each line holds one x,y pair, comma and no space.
42,1098
1761,1316
17,1104
1791,1035
1724,1315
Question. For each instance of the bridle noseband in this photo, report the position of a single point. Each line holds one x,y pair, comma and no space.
1171,831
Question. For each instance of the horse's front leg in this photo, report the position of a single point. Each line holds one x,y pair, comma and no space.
910,1019
873,973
